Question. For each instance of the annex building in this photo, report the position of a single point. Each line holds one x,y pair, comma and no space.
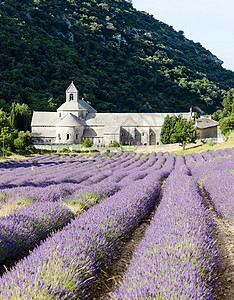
76,120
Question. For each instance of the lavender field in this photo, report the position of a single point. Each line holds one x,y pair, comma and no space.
65,221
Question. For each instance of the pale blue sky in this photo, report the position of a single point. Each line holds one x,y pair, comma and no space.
210,22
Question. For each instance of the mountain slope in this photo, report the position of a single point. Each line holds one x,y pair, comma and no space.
121,60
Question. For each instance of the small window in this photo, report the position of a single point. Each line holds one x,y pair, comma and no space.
71,97
59,137
68,136
60,115
143,133
76,136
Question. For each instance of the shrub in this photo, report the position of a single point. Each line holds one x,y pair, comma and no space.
114,144
227,124
87,143
209,142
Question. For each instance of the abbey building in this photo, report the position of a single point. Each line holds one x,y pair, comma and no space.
76,120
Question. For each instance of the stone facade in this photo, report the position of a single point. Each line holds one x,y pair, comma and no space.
76,119
207,128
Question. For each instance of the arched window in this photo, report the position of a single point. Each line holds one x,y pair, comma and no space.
68,136
71,97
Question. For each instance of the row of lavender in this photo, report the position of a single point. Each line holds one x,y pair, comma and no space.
176,259
67,263
24,229
94,183
144,169
215,177
60,178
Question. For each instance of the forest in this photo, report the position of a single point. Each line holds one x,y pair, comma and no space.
121,59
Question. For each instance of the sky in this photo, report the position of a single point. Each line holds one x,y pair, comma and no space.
209,22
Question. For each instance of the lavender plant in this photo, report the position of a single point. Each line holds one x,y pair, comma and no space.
23,230
176,259
66,264
220,188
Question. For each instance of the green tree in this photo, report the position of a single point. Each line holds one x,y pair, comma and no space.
168,128
87,143
217,115
185,132
177,129
228,103
7,132
227,124
24,143
20,116
52,104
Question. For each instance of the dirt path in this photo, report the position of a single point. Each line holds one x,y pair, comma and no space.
111,275
224,237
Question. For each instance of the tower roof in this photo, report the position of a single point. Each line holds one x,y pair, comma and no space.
76,106
70,121
71,88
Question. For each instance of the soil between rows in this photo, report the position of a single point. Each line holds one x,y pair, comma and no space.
224,238
111,275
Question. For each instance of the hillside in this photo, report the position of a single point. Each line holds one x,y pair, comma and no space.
121,59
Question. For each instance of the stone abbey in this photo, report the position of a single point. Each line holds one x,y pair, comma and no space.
76,120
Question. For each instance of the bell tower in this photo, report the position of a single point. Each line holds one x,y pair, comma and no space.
72,93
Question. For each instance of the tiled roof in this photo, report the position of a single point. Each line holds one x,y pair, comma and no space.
76,105
128,119
44,118
70,120
205,123
93,132
112,130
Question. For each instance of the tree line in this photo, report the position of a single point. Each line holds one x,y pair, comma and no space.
121,59
14,129
225,116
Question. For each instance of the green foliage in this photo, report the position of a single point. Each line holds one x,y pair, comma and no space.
228,103
65,150
87,143
7,132
20,116
24,201
84,205
24,142
123,60
10,138
226,116
209,142
7,137
178,130
167,129
114,144
227,124
217,115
